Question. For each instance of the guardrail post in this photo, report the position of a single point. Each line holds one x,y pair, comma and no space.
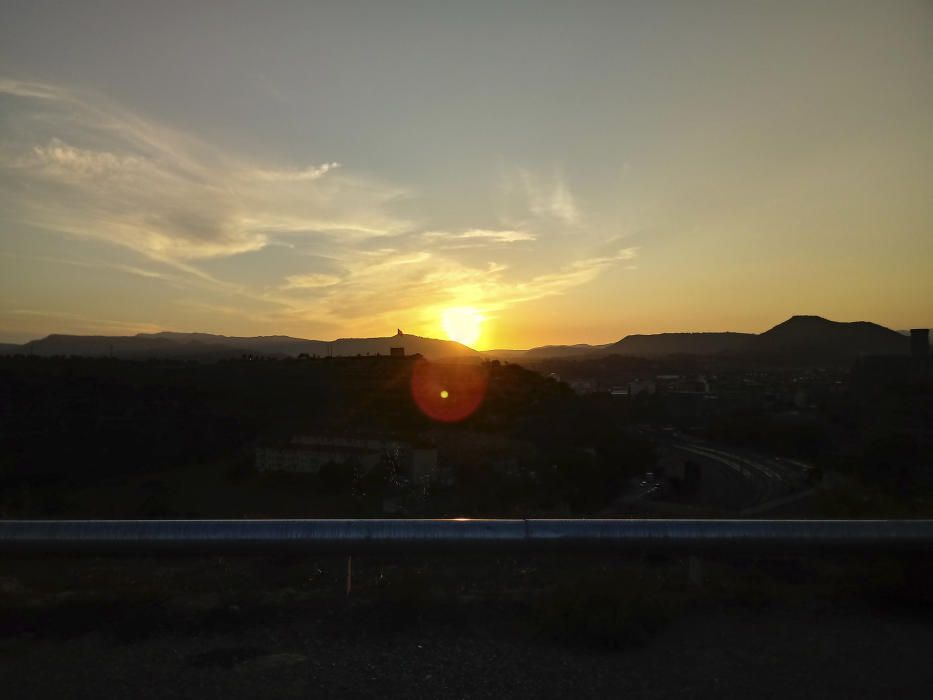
349,574
694,571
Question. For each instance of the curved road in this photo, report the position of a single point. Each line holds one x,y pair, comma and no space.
733,478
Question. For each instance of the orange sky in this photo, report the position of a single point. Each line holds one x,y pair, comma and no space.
574,173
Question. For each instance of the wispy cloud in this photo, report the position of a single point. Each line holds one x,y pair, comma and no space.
81,323
424,283
480,236
21,88
496,293
59,159
95,170
549,196
312,281
310,173
94,264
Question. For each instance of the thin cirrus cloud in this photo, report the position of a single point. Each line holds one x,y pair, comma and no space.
95,170
479,236
82,323
423,284
549,197
311,281
310,173
61,160
81,166
92,264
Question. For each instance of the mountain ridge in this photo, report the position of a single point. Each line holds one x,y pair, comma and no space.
807,336
818,336
171,344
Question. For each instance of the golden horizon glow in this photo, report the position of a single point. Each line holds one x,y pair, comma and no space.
627,210
463,324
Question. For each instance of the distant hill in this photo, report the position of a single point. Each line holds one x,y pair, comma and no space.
814,336
133,347
504,354
205,346
680,344
564,350
267,345
636,345
431,348
799,337
543,352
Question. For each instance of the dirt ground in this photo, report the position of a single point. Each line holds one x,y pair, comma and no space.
464,628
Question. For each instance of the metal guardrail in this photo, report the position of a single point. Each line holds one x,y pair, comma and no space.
359,536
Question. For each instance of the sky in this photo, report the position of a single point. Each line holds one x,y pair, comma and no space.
572,171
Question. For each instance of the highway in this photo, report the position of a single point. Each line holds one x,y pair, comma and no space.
733,478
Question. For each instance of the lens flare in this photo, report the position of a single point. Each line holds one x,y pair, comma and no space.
448,392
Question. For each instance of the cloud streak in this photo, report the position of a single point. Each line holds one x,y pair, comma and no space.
81,323
312,281
479,236
310,173
549,197
97,171
425,283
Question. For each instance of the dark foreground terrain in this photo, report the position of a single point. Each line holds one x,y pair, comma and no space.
473,627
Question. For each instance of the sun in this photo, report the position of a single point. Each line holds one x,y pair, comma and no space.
463,324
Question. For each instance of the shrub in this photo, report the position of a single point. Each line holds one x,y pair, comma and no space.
603,612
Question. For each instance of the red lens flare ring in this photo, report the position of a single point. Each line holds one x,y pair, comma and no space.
448,392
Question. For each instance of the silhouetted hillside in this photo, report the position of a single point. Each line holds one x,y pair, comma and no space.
88,417
563,351
813,336
657,345
800,337
680,344
264,344
431,348
127,347
342,347
205,346
504,355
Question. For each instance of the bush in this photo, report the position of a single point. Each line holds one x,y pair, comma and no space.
603,612
336,478
240,470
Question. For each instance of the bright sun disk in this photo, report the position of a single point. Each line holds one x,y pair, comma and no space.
462,324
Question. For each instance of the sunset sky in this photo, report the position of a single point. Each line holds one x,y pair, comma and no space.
572,171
